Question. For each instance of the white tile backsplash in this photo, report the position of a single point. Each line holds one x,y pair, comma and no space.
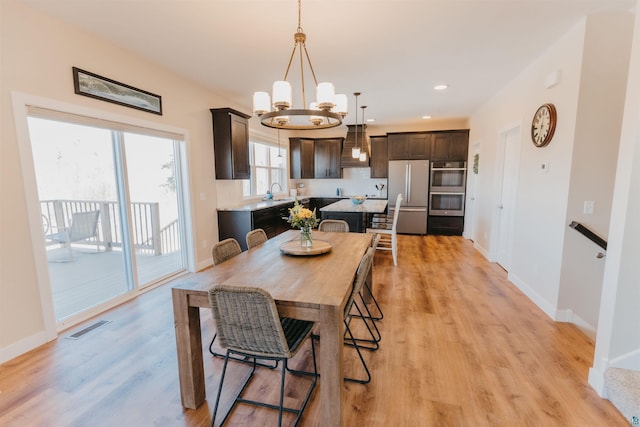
354,181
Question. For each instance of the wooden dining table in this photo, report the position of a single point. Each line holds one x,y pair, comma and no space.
314,287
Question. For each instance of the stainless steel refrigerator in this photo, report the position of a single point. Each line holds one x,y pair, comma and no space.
411,178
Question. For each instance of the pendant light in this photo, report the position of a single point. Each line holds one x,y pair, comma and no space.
279,157
363,151
355,151
277,112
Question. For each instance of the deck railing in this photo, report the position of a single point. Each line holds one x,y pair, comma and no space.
148,236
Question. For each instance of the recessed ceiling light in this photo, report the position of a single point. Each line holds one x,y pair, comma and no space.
426,117
371,120
440,87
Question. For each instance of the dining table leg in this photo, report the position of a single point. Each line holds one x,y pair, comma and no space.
189,347
331,389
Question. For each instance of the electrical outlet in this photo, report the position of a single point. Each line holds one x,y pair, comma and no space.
204,244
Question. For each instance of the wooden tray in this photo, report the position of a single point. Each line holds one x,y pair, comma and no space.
293,247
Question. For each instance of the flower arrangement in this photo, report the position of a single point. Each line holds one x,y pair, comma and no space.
305,219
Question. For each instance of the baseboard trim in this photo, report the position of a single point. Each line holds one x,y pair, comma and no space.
24,345
596,381
569,316
542,304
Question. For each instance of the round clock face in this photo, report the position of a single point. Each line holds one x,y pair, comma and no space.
543,125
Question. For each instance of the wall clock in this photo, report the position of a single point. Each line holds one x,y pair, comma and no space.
543,125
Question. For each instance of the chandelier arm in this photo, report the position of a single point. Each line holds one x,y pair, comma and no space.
293,52
304,98
313,73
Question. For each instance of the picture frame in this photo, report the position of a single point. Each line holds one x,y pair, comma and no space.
95,86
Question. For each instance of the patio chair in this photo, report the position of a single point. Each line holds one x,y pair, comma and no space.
84,225
249,326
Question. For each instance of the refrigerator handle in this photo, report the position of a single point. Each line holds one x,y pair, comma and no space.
406,181
409,185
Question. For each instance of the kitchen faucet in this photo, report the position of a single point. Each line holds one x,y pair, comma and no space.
270,192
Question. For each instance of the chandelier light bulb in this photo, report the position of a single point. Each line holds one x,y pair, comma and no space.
342,104
355,152
325,95
261,103
281,95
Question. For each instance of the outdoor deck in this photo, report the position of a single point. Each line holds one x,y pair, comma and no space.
91,277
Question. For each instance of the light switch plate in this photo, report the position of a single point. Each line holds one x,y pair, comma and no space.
589,207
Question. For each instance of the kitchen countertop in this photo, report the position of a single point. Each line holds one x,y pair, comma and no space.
346,205
261,204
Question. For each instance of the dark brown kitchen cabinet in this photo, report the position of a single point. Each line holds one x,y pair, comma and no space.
301,158
409,146
450,145
327,153
379,157
236,224
231,143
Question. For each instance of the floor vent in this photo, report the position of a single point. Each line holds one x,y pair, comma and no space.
88,329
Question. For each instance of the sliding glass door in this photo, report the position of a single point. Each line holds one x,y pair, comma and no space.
109,200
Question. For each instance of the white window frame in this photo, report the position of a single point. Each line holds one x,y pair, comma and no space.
284,168
22,102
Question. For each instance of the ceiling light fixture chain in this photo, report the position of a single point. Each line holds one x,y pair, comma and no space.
276,112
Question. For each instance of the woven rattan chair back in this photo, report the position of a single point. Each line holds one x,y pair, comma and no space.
334,225
224,250
247,321
256,237
361,277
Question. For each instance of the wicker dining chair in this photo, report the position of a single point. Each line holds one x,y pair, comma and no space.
249,326
349,339
256,238
335,225
224,250
221,252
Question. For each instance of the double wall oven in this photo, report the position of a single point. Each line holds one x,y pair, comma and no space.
447,188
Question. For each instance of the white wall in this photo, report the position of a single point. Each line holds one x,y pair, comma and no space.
597,135
547,198
618,339
541,204
37,55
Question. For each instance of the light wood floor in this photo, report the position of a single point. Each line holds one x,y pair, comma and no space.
461,347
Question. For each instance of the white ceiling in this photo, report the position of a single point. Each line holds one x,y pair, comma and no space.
393,51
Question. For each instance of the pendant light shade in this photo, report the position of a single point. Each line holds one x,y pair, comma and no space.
355,151
261,102
281,95
363,152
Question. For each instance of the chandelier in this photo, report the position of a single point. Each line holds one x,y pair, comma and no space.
277,112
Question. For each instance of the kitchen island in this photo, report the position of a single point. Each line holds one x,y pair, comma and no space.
357,216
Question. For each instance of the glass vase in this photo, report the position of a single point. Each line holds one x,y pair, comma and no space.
306,239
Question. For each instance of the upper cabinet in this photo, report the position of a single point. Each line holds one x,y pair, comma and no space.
301,158
231,143
409,146
327,153
379,157
433,145
450,145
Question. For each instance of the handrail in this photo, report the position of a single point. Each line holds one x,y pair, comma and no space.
589,234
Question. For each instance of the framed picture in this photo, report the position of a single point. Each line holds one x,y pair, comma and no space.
95,86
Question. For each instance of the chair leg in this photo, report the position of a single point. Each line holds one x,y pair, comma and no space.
394,249
374,340
380,315
364,364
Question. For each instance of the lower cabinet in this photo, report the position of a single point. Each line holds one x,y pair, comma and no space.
357,220
237,224
445,225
